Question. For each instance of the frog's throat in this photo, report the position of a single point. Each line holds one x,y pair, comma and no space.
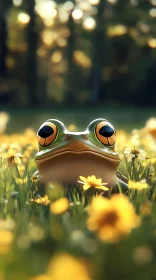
54,155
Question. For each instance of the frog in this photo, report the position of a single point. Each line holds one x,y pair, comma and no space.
63,156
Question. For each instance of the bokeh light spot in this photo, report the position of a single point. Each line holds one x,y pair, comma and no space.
77,14
89,23
23,18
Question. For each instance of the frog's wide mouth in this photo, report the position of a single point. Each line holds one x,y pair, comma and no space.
54,155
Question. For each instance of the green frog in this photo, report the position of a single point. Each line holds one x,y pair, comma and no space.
63,155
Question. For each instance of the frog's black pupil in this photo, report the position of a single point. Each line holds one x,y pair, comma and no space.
106,131
45,131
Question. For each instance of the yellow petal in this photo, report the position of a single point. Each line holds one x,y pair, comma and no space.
93,178
86,187
19,155
88,178
98,181
60,206
81,182
102,188
83,179
11,153
17,160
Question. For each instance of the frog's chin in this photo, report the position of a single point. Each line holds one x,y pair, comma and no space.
68,166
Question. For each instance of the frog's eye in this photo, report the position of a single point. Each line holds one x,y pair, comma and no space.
105,133
47,133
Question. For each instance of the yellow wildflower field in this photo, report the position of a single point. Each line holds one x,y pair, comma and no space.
76,233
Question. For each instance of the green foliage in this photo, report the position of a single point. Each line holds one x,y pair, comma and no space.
39,234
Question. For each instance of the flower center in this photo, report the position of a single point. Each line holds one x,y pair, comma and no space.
110,218
135,152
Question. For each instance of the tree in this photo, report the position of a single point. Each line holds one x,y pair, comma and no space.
98,53
4,7
31,67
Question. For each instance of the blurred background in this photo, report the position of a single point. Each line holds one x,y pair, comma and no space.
78,55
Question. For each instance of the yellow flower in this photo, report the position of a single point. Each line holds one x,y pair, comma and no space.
6,238
153,160
151,127
138,185
72,127
27,153
134,153
1,276
60,206
41,277
67,267
35,177
13,157
41,200
21,180
112,218
92,182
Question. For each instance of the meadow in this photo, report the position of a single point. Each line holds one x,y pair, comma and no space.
77,234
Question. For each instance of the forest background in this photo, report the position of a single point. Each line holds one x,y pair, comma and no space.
59,54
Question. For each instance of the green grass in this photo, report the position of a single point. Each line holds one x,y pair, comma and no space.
31,235
39,234
120,117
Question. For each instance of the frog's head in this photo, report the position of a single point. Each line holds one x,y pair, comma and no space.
64,156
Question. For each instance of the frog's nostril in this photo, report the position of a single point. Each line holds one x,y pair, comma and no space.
67,136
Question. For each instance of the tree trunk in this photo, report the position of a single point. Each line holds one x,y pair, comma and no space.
70,51
3,47
98,54
31,68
